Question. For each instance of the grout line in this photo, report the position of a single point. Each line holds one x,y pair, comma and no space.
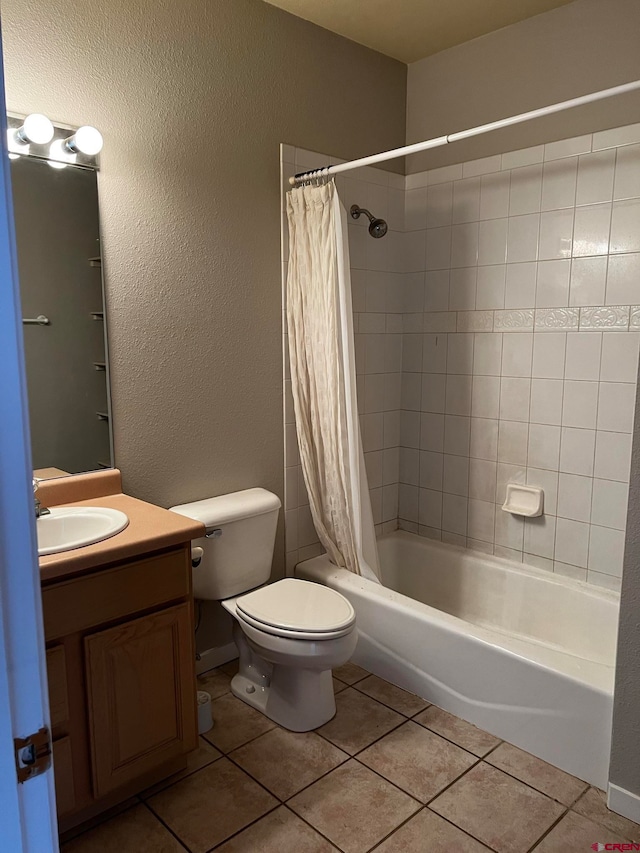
460,829
595,441
166,826
564,373
544,834
498,419
453,743
390,707
493,749
353,755
311,826
251,823
453,781
580,796
527,784
393,831
322,776
251,740
175,781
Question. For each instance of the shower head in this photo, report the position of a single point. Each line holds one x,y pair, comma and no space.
377,227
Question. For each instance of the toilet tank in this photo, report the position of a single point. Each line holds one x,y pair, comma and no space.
238,550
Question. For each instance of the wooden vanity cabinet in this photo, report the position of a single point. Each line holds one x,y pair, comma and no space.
122,689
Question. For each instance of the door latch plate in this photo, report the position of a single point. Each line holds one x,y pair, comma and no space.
33,754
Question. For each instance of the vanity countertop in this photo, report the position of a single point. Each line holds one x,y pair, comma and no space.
150,527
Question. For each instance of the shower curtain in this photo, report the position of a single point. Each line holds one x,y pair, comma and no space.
323,378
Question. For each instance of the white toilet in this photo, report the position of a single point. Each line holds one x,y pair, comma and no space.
289,634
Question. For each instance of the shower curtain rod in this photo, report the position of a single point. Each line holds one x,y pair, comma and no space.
438,141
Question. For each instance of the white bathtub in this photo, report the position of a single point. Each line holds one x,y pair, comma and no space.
523,653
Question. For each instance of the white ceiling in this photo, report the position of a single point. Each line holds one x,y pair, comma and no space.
412,29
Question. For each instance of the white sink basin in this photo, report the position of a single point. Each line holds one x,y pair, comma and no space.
71,527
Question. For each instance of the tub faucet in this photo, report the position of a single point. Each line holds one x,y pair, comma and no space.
40,510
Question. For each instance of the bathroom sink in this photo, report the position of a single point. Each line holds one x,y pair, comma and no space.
65,528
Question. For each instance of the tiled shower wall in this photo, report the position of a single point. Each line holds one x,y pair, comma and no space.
516,283
378,306
520,351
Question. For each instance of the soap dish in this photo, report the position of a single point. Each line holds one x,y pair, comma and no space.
524,500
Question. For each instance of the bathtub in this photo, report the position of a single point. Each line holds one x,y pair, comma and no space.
524,654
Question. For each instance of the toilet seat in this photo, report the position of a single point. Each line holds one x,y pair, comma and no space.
298,609
291,634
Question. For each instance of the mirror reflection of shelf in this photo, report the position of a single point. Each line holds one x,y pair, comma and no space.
59,255
103,464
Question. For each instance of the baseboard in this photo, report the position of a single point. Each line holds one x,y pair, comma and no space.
211,658
623,802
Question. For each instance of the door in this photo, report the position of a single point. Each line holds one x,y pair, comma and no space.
28,816
142,706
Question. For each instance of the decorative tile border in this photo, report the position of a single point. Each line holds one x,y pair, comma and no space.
612,318
513,321
553,319
607,317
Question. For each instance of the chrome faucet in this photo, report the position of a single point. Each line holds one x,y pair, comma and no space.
40,510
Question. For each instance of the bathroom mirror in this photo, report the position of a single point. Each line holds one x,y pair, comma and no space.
60,273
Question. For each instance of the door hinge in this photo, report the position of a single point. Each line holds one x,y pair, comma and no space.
33,754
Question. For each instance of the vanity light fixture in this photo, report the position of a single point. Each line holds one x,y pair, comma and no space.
36,128
58,144
86,140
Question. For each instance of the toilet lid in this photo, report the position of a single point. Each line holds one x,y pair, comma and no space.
297,607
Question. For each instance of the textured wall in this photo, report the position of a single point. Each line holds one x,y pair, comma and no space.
193,100
580,48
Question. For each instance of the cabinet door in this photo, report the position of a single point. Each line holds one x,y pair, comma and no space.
141,696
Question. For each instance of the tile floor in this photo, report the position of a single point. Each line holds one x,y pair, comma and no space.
389,773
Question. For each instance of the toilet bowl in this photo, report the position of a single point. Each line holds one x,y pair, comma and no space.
290,634
285,670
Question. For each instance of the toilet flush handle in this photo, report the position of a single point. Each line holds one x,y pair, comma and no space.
214,533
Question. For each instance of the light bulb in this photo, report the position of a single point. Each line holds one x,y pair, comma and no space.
59,155
86,139
36,128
